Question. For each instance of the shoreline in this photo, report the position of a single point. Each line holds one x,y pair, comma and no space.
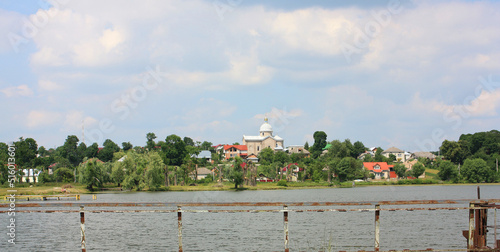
72,188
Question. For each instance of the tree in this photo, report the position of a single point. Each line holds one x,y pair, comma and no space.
154,173
477,171
319,143
92,151
26,150
69,150
358,149
118,173
417,170
400,170
266,156
91,174
188,141
306,146
127,146
174,150
106,153
150,141
63,174
206,145
236,173
456,152
447,170
80,151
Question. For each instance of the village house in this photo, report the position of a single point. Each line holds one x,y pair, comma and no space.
399,154
381,170
201,173
298,149
232,151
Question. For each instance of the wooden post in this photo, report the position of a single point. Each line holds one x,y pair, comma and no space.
377,227
285,221
82,229
470,240
179,223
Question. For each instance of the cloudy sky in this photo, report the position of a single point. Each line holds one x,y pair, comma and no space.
388,73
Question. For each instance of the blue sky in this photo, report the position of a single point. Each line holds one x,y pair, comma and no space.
388,73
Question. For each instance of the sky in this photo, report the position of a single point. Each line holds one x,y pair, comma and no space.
387,73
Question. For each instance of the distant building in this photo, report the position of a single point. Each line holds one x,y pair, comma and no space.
255,144
400,155
298,149
381,170
30,175
232,151
204,154
423,154
201,173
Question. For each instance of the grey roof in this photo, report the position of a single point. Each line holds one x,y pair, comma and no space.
203,171
392,150
424,154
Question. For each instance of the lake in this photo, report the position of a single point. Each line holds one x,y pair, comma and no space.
308,231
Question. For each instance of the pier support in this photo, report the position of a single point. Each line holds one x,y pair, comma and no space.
82,229
179,225
285,221
377,227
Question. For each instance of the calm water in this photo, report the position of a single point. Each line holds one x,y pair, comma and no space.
255,231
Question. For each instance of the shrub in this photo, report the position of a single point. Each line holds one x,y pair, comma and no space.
282,183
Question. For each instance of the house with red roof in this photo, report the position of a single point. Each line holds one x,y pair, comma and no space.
232,151
381,170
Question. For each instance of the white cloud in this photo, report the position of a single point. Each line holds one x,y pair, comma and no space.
74,119
42,118
22,90
49,85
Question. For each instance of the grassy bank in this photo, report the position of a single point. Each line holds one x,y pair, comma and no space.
45,189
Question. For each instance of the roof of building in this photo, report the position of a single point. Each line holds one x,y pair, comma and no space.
261,138
372,166
424,154
204,154
266,127
392,174
298,149
238,147
393,150
203,171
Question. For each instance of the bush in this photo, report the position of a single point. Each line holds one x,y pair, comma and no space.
282,183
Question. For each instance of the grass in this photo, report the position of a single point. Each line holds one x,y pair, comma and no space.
432,173
45,189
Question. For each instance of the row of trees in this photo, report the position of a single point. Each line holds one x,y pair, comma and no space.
473,158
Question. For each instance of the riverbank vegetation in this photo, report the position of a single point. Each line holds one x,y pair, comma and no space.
171,165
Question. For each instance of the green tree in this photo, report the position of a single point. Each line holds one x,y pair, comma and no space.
417,170
69,150
91,174
174,150
236,173
106,153
266,156
400,170
118,172
456,152
306,146
154,174
150,141
188,141
206,145
92,151
357,149
319,143
26,150
64,174
127,146
477,171
447,170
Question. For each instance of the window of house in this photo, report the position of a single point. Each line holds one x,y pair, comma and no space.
258,148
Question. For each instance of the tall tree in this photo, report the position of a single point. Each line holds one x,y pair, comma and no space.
266,156
206,145
106,153
417,170
236,173
400,170
447,170
174,150
150,141
456,152
127,146
319,143
358,149
26,150
92,151
306,146
188,141
69,150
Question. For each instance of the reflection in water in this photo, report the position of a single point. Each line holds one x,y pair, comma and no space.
309,231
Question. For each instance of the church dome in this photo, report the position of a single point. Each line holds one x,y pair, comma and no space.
266,127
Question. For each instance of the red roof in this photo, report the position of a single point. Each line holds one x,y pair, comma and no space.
239,147
383,166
